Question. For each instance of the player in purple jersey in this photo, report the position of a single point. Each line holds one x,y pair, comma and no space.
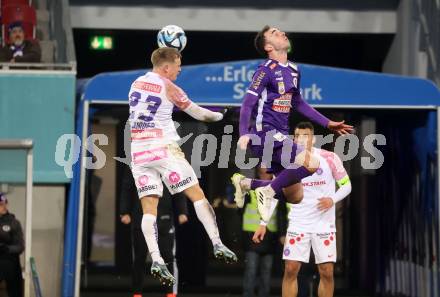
264,117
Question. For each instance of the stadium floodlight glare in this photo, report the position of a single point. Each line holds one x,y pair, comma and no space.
101,42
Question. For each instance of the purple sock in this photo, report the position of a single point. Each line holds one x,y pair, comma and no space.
289,177
256,183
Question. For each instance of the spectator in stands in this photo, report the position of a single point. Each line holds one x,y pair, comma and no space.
20,50
11,246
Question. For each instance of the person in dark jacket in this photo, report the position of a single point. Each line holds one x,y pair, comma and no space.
259,256
11,246
19,49
169,209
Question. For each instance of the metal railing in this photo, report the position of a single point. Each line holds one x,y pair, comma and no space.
39,66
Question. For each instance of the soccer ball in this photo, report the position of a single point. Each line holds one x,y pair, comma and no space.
172,36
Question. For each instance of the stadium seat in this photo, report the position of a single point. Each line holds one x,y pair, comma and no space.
4,3
23,13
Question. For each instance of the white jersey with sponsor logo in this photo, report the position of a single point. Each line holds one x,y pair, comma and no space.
305,216
152,99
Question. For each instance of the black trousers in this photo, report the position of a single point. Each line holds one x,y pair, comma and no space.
10,271
140,250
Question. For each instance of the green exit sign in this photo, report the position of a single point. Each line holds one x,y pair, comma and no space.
101,42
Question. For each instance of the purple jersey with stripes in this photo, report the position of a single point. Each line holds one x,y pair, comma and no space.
276,85
274,91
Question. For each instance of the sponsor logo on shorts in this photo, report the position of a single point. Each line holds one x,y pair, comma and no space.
181,183
149,87
150,155
142,180
286,252
174,177
147,188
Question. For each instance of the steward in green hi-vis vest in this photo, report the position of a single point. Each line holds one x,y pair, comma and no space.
276,227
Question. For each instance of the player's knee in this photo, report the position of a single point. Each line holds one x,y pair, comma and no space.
149,204
291,269
194,193
326,272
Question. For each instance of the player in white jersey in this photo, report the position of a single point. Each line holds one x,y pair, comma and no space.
312,221
157,158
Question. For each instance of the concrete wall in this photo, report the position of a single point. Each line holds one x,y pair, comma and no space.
405,56
47,230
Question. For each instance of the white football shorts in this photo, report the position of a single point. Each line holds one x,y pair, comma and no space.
161,163
297,246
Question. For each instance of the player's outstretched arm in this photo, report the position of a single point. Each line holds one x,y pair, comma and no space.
249,102
340,127
308,111
179,98
203,114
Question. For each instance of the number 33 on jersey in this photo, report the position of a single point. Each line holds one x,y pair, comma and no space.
151,100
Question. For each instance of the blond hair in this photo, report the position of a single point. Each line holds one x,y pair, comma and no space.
164,55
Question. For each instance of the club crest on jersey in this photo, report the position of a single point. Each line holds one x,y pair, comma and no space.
319,171
281,88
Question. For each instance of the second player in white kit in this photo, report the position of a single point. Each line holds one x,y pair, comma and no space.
312,221
309,225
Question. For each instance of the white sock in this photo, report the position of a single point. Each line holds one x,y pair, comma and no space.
149,228
206,215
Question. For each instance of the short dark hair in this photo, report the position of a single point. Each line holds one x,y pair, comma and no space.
305,125
260,41
164,55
